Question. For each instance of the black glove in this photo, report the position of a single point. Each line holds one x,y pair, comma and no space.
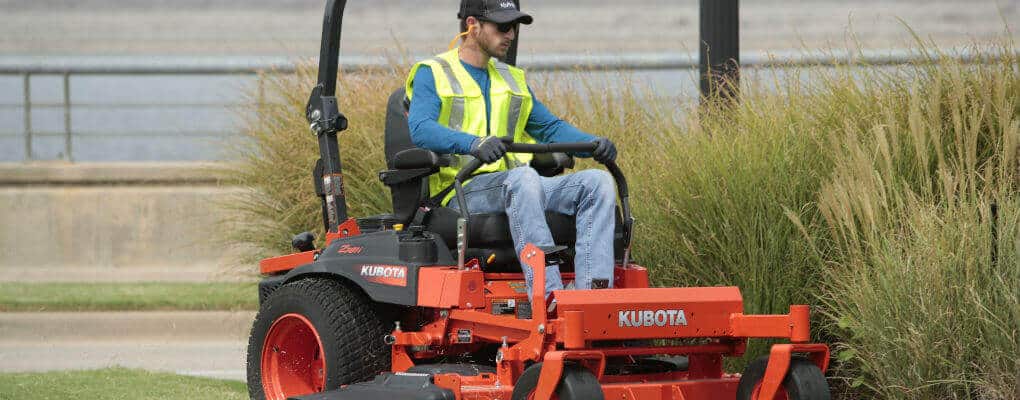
605,151
488,149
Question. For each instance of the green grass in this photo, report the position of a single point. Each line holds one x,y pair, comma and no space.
116,384
128,296
860,190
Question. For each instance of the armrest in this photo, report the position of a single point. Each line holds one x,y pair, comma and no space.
416,158
412,164
551,164
395,177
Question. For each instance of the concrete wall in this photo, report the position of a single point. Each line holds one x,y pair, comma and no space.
111,222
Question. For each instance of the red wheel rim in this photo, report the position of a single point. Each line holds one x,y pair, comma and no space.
780,394
292,362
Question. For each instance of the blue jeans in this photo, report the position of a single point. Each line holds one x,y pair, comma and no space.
590,196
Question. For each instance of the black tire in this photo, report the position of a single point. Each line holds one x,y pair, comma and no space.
577,383
350,328
804,381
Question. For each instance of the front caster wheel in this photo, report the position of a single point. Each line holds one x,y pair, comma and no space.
576,383
804,381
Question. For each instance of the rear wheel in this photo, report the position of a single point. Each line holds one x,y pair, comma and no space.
576,383
804,381
314,335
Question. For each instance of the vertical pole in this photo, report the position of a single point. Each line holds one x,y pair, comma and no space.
511,54
67,116
28,115
720,48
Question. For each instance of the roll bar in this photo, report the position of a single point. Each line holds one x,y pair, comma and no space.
325,119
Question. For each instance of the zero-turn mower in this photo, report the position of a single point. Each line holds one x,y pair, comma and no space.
430,302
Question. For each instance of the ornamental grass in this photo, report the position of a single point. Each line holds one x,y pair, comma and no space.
864,191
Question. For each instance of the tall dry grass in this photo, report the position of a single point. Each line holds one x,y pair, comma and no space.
277,152
922,309
863,191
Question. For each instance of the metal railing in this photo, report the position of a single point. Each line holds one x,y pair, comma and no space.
28,105
66,107
67,68
29,69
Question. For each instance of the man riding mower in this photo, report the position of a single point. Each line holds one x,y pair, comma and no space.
436,302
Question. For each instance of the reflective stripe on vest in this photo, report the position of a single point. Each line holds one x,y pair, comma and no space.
457,108
514,111
463,109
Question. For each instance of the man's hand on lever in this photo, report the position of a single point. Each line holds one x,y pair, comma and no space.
489,149
606,150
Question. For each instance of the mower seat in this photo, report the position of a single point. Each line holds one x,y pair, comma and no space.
488,234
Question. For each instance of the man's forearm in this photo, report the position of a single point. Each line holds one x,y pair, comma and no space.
562,131
430,135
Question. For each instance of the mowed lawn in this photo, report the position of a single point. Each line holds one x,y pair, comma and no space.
217,296
116,384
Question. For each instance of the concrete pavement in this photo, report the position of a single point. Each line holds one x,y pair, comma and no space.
211,344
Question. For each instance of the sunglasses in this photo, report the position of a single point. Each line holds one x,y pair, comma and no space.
504,27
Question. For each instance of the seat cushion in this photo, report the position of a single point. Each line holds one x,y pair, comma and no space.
493,230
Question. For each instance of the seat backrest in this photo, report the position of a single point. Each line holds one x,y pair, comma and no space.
407,196
398,135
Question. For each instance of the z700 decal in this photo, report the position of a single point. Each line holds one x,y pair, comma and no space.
349,249
392,275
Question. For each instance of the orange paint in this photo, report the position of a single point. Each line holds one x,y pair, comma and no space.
276,265
346,229
448,287
459,316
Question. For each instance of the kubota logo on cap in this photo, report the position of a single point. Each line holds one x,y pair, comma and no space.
648,318
507,4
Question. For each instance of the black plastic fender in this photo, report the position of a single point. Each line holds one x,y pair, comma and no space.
388,386
373,262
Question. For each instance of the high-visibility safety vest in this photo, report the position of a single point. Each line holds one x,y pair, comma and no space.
463,109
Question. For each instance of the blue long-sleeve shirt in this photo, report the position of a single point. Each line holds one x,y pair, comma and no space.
427,133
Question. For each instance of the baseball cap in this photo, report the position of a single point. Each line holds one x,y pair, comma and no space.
498,11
